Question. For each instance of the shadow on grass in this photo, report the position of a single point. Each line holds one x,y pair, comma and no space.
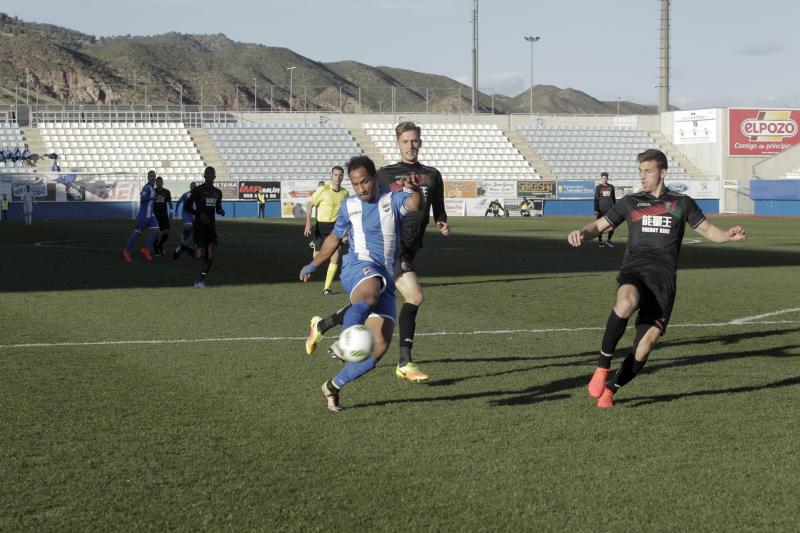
85,255
566,387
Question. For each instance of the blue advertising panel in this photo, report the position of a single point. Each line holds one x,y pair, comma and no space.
580,189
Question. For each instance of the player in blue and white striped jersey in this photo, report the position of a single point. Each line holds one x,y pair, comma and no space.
144,220
373,222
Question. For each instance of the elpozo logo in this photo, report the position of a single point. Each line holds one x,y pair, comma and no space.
770,126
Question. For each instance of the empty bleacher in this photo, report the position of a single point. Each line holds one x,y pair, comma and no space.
583,151
124,148
11,136
275,151
460,151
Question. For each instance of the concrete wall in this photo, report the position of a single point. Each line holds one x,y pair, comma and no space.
778,166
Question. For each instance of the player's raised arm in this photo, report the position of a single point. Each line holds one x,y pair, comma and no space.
413,202
589,231
719,235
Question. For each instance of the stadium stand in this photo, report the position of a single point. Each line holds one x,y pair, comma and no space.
583,151
460,151
124,147
285,150
11,136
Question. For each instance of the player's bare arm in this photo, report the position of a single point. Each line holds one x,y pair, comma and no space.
413,202
589,231
307,230
715,234
329,246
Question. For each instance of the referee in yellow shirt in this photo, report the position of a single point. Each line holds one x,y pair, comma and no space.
327,199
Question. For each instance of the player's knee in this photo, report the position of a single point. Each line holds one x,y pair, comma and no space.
415,298
380,348
625,307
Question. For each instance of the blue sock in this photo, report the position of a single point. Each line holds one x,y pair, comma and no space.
357,314
353,371
185,234
132,240
152,240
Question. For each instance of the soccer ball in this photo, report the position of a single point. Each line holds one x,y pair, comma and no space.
355,344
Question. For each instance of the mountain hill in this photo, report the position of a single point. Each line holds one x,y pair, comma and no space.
59,65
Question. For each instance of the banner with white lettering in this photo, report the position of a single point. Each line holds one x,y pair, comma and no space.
760,132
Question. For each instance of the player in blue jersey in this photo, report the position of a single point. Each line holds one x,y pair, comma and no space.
144,219
373,223
188,220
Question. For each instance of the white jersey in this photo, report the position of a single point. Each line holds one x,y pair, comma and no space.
27,202
373,228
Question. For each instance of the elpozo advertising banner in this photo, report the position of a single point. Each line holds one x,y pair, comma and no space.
760,132
694,127
536,188
576,189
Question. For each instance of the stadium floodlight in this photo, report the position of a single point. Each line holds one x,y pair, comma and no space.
532,40
291,71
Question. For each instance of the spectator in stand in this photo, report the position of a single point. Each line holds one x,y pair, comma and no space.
27,156
7,154
55,167
16,155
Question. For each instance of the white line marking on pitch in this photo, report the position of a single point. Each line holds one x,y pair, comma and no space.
744,321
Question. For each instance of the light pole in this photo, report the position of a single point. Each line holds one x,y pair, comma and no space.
532,40
27,75
255,95
618,105
291,71
236,98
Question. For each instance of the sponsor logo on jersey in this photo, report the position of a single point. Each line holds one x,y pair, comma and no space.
366,271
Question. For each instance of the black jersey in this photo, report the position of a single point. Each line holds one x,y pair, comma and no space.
655,232
162,201
604,197
432,188
205,199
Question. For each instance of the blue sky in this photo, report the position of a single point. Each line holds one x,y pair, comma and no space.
724,53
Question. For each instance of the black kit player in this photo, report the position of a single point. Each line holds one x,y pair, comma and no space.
657,219
205,202
604,199
162,210
409,141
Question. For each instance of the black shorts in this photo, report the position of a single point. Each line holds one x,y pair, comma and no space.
163,221
405,261
205,234
655,299
321,232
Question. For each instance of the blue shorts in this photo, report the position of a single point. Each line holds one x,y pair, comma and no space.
187,218
143,223
354,272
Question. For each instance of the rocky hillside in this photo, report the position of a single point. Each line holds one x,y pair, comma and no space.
65,66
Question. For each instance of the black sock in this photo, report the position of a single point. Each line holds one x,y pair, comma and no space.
626,372
206,267
600,238
615,329
610,233
336,319
163,239
407,322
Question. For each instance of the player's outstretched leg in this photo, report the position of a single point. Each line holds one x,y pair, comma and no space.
336,319
615,329
409,286
646,337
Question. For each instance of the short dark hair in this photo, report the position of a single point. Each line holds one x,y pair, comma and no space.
337,167
361,161
652,154
151,173
209,172
604,174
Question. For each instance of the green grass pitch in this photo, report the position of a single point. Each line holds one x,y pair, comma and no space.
131,401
